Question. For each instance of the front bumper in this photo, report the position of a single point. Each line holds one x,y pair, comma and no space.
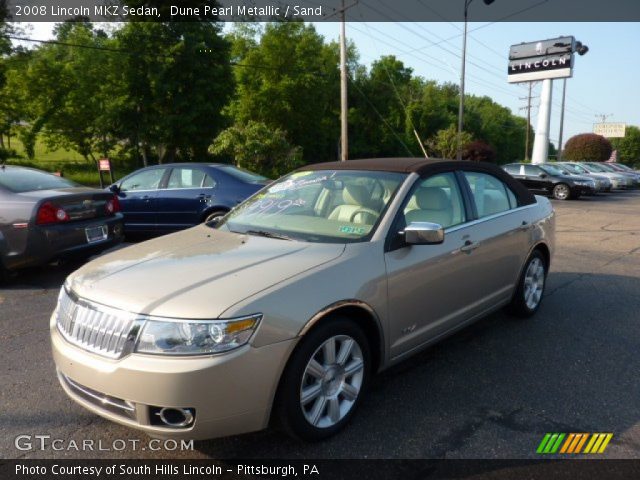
584,189
45,243
231,393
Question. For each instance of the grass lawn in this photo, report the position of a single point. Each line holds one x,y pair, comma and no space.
44,156
71,164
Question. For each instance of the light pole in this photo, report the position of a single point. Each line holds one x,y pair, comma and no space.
464,55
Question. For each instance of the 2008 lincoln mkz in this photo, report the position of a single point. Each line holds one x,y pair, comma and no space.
284,309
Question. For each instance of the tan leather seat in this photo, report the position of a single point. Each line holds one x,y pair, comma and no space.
433,206
494,203
356,208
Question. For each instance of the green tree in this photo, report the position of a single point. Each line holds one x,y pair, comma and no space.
57,91
587,147
445,142
259,148
628,147
169,91
288,80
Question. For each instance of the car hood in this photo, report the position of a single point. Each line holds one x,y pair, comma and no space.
196,273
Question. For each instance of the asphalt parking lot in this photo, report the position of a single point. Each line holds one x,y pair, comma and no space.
491,391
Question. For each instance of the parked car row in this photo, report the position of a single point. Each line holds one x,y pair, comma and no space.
570,180
44,217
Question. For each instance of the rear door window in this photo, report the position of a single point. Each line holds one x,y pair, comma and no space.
490,194
186,177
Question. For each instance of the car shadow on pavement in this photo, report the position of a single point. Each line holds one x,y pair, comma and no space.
495,388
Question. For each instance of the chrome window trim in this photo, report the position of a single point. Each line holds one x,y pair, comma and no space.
487,218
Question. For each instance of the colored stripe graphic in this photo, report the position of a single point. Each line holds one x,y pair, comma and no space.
572,443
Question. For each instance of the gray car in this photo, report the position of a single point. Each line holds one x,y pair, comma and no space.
301,293
44,217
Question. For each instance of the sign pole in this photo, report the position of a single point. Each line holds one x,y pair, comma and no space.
541,142
564,94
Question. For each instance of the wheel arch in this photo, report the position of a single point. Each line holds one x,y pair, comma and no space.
209,210
543,248
358,311
364,316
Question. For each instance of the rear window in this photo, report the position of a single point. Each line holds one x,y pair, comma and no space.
20,180
242,174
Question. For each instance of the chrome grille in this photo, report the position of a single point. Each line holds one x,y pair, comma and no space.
96,328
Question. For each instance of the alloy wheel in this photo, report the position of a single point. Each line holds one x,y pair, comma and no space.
332,381
561,192
534,283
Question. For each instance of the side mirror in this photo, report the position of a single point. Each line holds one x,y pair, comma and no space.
423,233
114,188
542,175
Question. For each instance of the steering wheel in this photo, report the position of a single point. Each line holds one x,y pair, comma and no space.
362,210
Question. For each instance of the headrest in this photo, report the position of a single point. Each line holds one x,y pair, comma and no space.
356,195
431,198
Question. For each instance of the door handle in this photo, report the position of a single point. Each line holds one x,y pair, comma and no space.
524,226
469,246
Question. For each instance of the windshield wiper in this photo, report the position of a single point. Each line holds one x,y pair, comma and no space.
264,233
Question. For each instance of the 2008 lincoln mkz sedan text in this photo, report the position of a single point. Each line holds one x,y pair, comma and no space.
285,308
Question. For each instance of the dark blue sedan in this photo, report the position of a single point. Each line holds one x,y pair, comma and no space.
170,197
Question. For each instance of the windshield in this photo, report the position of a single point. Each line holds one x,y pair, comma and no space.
551,170
242,174
595,168
335,206
21,180
573,168
606,168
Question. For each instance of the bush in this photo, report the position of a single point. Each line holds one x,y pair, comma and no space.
587,147
7,153
479,151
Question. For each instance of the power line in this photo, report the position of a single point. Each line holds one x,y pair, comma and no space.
150,54
355,84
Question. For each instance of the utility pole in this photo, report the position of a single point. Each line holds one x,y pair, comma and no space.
564,94
528,109
344,140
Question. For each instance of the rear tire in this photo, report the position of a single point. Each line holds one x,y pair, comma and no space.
528,296
324,381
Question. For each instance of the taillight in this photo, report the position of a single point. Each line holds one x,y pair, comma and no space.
49,213
113,206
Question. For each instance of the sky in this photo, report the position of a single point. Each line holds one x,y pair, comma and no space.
605,80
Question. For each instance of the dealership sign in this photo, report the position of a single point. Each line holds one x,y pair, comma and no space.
610,130
532,61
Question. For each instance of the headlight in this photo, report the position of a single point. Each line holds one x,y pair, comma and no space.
195,337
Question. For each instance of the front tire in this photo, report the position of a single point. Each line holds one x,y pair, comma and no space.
214,216
561,192
324,380
528,296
